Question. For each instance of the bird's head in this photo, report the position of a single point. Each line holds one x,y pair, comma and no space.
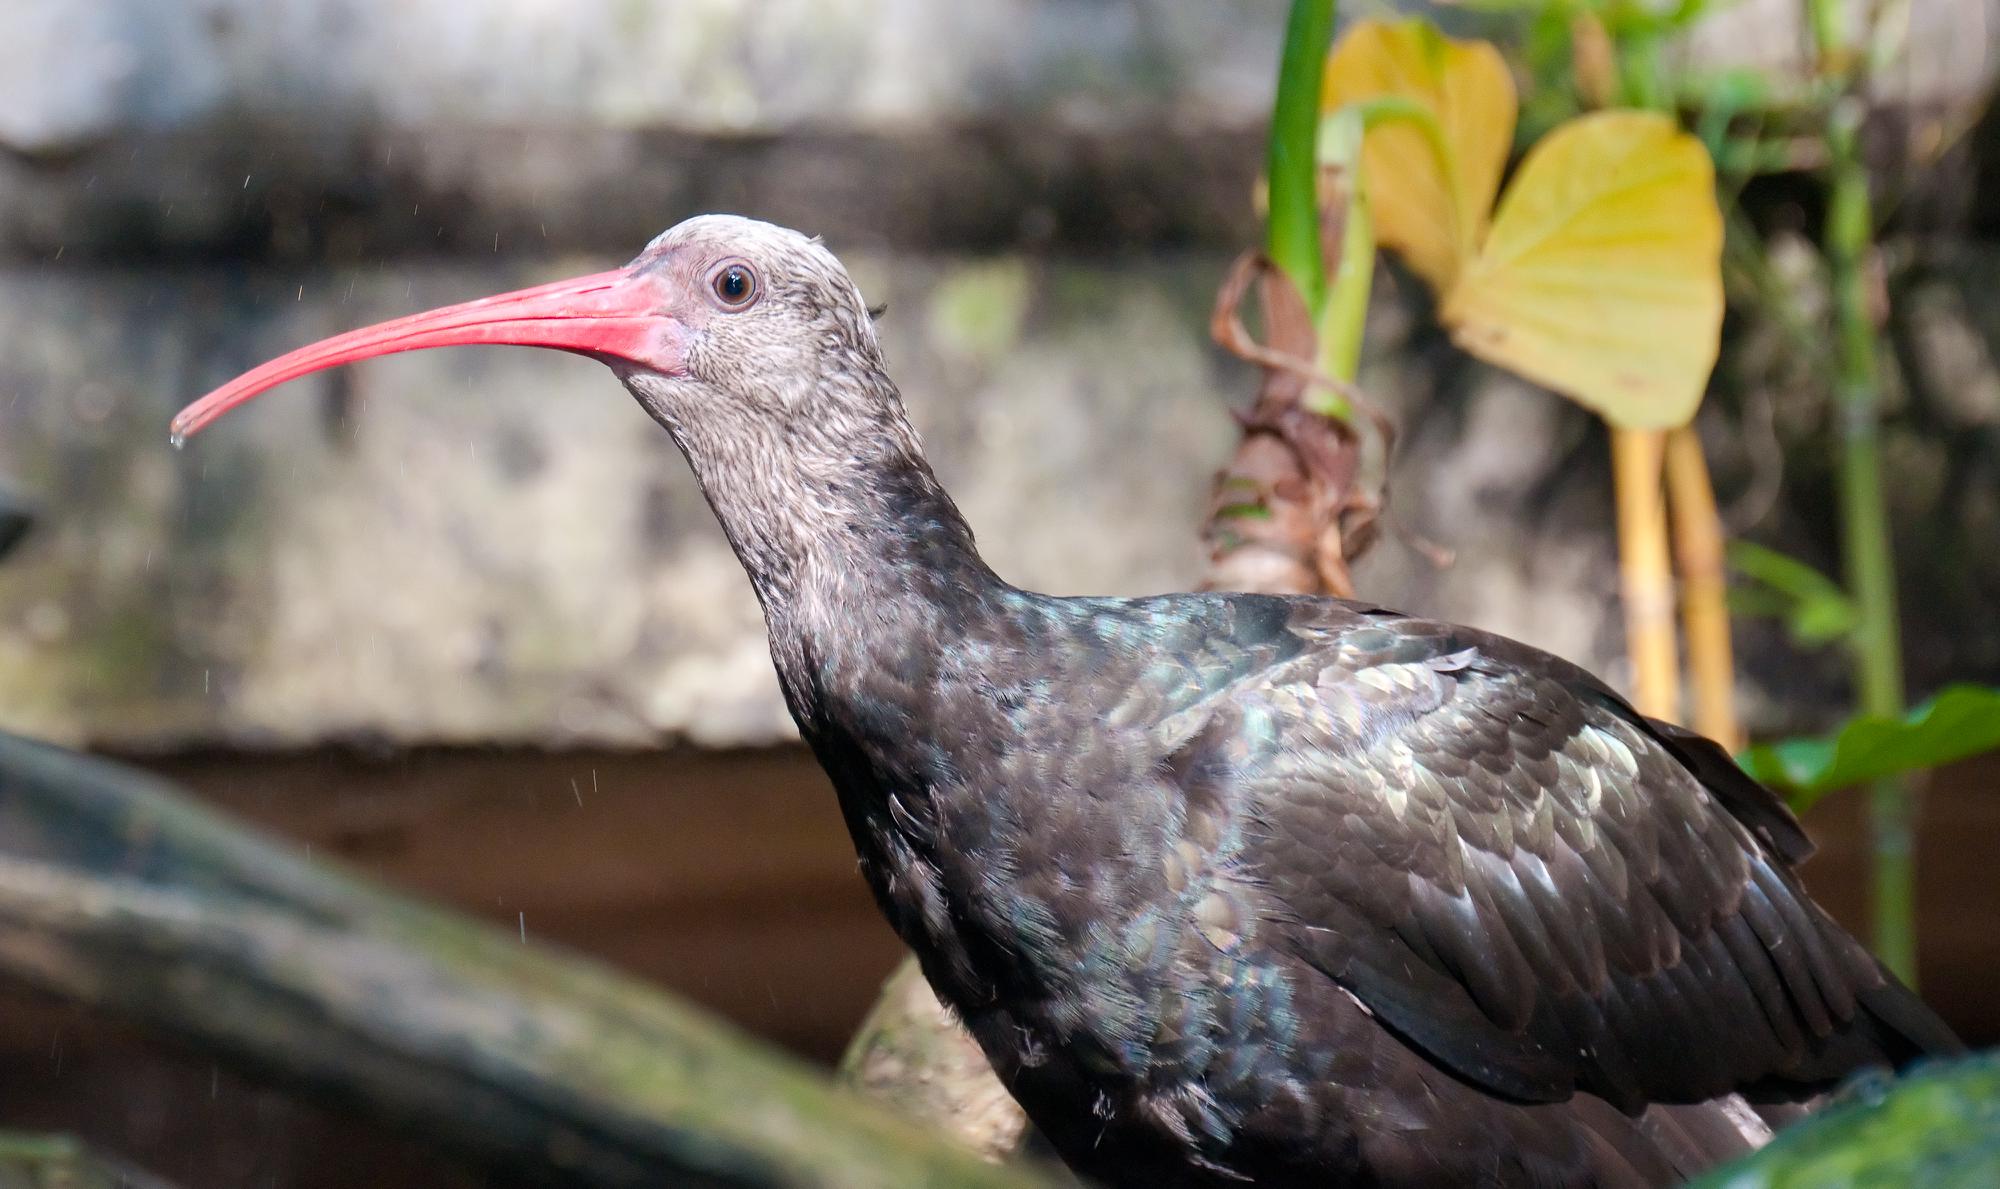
754,349
724,328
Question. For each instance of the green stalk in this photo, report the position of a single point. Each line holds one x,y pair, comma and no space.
1342,319
1292,236
1870,562
1389,109
1827,20
1344,315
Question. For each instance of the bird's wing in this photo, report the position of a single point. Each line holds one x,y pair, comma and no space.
1527,880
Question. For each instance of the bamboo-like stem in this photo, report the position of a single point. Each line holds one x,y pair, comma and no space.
1645,567
1698,554
1646,571
1868,557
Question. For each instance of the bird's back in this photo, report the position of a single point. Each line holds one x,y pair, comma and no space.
1253,886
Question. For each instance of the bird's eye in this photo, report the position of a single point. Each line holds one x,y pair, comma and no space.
735,285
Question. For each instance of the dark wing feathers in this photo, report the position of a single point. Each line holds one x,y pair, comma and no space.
1535,885
1749,802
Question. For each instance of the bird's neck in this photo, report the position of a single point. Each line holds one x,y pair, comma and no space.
859,557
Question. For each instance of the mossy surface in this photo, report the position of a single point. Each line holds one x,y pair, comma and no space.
1938,1127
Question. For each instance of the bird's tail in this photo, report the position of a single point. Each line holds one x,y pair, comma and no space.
1697,1137
1666,1146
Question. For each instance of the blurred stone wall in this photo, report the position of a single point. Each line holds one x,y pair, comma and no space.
497,547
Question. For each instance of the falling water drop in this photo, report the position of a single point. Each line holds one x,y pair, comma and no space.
177,439
524,927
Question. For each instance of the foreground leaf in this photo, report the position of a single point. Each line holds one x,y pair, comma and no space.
1961,721
1601,277
1939,1128
1430,211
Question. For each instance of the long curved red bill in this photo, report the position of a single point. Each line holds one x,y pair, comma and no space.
618,314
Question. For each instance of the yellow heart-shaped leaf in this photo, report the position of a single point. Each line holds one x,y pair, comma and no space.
1601,277
1431,213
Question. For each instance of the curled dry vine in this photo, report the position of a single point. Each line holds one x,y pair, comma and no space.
1290,510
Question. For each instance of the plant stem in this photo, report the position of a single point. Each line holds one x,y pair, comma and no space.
1341,320
1646,571
1343,317
1869,560
1698,551
1292,235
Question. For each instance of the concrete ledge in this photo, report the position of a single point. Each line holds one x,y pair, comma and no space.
497,545
347,192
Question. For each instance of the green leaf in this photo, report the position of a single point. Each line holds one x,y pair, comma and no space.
1961,721
1780,570
1939,1128
1815,609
